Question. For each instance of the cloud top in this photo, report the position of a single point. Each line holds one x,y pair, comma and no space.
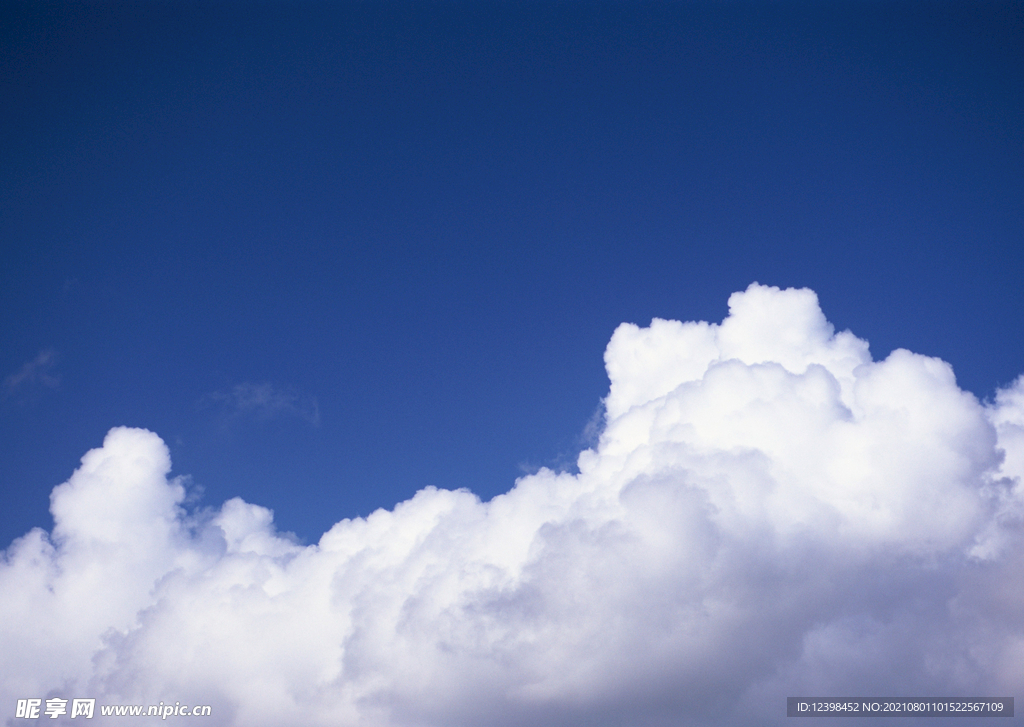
768,513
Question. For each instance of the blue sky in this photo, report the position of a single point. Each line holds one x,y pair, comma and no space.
429,218
332,254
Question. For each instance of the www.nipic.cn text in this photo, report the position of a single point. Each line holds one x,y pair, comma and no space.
56,707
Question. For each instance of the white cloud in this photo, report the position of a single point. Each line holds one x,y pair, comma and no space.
768,513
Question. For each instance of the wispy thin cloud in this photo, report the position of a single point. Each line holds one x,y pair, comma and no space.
265,401
35,373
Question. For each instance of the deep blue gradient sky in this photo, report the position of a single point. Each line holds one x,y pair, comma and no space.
411,229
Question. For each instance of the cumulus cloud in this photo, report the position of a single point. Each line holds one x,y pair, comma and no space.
768,512
37,372
264,401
